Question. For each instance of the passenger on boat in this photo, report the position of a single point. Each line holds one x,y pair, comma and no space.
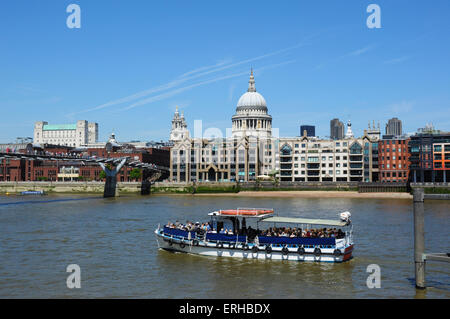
294,232
206,227
188,227
252,233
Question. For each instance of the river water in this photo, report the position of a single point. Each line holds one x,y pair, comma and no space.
112,241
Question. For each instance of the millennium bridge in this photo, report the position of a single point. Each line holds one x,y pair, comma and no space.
111,167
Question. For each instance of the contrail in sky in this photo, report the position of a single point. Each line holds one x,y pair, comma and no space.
354,53
203,68
180,90
190,75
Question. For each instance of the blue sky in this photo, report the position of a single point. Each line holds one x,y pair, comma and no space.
132,62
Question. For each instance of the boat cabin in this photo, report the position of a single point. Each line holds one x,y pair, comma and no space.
243,225
234,221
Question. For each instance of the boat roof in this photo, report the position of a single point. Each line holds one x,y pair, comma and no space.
244,212
292,220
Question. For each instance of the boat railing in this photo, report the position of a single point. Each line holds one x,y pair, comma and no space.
225,237
297,241
174,232
261,240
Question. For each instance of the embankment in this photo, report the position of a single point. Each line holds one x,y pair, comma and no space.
351,190
66,187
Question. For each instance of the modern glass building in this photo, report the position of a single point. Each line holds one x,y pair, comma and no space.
310,130
336,129
430,157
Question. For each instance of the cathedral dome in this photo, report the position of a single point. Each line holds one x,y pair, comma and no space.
251,99
251,118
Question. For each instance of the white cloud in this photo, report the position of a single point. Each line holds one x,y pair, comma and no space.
396,60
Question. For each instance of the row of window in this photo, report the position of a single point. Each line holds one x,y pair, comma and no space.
439,165
289,153
330,172
393,150
57,134
438,157
388,158
323,165
318,145
393,142
438,148
394,174
393,166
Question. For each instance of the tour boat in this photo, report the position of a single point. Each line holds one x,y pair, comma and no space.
247,242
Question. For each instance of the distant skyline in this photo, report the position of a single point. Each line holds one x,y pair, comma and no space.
132,62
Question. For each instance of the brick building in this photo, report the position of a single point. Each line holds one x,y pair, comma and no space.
63,170
393,158
11,170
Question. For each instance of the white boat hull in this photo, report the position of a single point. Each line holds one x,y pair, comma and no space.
210,249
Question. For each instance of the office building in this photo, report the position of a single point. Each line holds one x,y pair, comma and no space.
430,156
310,130
336,129
394,127
74,135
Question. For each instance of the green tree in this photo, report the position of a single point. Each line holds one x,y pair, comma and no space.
135,173
102,174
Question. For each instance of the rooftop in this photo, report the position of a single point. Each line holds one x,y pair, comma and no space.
59,127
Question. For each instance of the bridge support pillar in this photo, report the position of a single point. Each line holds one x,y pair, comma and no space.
146,186
110,187
111,179
419,237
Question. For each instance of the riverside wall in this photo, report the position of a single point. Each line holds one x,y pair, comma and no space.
215,187
66,187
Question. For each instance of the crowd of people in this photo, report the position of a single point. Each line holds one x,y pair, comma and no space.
271,232
298,232
199,228
190,226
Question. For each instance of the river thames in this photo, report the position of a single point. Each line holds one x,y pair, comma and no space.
112,241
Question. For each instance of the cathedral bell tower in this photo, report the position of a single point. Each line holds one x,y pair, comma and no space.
179,129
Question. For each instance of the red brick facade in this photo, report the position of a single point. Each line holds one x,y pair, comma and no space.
48,170
11,170
393,158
